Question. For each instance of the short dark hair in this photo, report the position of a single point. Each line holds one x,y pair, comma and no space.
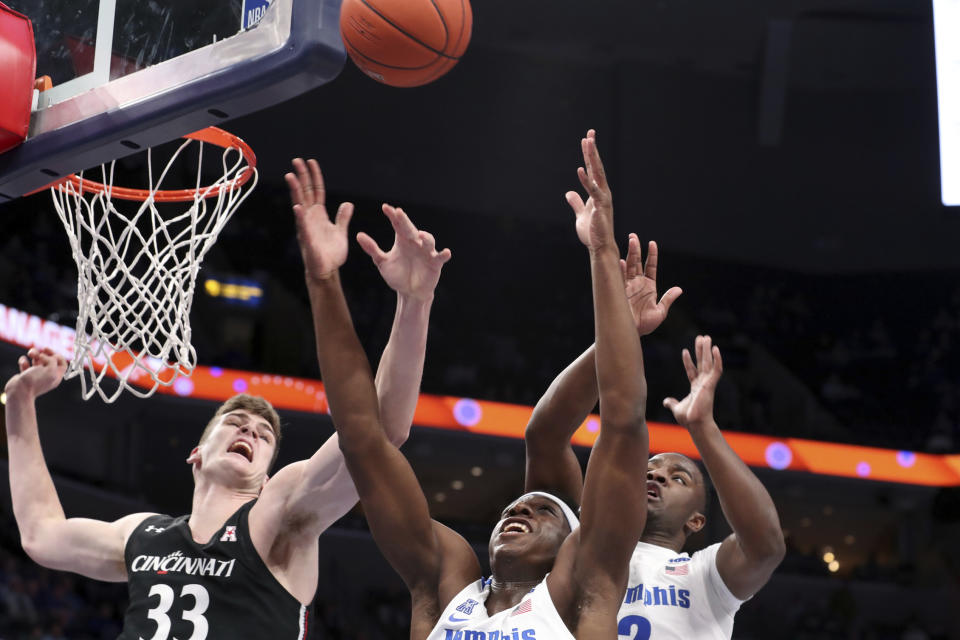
255,405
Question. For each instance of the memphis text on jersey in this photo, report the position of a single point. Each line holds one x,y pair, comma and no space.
176,562
654,596
466,634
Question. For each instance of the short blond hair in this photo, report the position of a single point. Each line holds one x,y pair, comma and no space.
252,404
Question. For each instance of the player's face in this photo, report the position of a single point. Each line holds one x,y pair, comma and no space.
675,488
241,441
534,528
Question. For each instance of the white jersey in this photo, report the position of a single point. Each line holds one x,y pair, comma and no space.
534,617
673,596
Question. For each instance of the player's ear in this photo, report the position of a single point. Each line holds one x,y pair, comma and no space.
695,523
194,457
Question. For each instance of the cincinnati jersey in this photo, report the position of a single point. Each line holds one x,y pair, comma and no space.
221,590
534,618
676,596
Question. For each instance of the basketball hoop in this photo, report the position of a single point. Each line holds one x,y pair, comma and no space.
137,270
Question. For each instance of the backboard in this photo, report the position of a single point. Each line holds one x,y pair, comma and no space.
131,74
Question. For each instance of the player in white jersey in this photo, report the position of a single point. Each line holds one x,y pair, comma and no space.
277,522
669,594
577,579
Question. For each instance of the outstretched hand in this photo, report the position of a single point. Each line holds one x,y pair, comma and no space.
412,266
595,216
323,243
697,407
40,371
640,280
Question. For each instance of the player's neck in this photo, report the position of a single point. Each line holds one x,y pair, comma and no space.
505,594
675,541
212,505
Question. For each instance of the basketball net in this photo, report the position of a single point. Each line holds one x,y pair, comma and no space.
137,269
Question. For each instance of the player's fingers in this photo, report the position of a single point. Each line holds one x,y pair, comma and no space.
670,403
344,213
444,256
633,256
401,223
303,176
575,202
717,360
688,365
707,363
371,248
584,178
429,242
650,267
623,269
316,177
596,164
24,363
670,297
296,192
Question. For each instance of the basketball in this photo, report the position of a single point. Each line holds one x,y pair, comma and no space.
405,43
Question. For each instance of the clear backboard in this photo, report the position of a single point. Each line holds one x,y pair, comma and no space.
131,74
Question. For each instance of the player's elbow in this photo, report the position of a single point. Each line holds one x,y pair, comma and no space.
623,415
769,549
38,548
363,435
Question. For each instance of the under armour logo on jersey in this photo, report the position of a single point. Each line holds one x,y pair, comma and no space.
153,528
229,534
467,607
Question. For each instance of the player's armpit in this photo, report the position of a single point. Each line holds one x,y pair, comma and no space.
91,548
745,574
312,493
458,563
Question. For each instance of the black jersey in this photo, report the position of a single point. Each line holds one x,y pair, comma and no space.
221,590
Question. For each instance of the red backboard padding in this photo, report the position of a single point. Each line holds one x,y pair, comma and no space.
18,67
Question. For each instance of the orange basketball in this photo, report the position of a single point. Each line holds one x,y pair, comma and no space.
405,43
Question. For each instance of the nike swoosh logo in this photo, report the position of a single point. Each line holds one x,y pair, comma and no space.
454,619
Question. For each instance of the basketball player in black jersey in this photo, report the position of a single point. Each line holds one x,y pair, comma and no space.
243,563
587,570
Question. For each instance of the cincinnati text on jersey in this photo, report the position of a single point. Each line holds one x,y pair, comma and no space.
178,563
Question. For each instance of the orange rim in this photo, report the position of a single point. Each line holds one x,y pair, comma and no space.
212,135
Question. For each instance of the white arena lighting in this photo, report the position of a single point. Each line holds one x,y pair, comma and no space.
946,33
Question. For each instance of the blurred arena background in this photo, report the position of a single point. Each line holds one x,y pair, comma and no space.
783,154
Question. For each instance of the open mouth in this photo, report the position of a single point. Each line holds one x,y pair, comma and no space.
515,526
243,449
653,491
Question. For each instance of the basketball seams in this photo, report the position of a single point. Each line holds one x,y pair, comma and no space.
379,36
463,25
409,35
443,21
360,53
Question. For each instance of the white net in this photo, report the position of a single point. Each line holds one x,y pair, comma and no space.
137,270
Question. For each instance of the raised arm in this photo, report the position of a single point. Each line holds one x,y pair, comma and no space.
614,491
89,547
551,462
320,490
748,557
412,269
393,501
